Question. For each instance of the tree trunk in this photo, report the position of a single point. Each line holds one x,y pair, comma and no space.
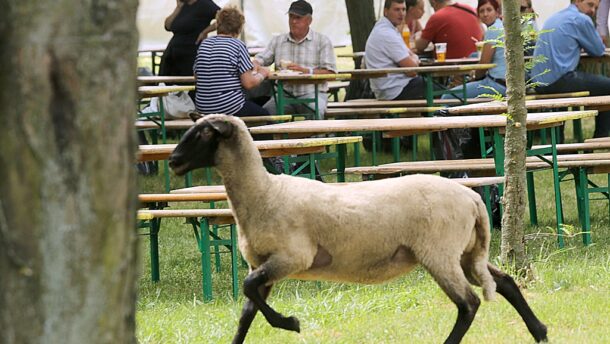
68,253
514,200
361,16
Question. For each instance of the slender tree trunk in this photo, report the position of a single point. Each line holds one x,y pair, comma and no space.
513,247
361,15
67,179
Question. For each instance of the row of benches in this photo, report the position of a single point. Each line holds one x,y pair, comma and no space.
206,222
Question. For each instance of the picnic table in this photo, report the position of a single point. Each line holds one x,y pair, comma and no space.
274,148
600,103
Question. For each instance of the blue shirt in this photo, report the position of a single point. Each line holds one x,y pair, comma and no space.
218,66
496,32
384,48
572,30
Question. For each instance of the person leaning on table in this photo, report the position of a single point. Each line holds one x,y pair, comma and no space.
571,30
223,69
385,48
308,51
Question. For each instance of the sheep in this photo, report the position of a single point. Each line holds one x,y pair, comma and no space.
366,232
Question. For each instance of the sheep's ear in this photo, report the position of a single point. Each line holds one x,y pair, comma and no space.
195,116
222,126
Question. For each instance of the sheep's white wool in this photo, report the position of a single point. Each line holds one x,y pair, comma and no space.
372,231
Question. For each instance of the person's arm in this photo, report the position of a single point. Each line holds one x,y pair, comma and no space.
204,34
410,61
327,64
170,19
602,20
421,44
253,77
588,38
487,55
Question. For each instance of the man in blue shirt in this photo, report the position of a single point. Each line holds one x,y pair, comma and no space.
573,30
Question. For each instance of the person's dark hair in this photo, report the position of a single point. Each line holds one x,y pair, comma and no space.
229,21
411,3
388,3
493,3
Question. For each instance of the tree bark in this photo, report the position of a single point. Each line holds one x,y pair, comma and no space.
514,200
361,16
67,180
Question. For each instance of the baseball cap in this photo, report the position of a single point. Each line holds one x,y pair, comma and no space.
300,8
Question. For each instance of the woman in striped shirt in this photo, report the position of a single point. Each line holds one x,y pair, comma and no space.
223,70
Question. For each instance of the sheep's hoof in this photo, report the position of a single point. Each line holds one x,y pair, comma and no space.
290,324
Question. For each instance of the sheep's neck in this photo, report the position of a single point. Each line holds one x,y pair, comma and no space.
243,173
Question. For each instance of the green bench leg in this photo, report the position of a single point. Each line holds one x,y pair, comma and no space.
531,198
206,266
234,260
584,212
558,207
155,224
341,157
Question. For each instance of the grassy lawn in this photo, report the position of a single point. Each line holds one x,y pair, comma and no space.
570,292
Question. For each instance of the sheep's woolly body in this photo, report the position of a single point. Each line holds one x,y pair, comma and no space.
365,232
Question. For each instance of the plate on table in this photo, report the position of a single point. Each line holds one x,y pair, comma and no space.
287,72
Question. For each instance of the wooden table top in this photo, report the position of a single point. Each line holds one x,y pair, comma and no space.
419,124
434,70
158,91
495,107
166,79
267,148
308,77
187,123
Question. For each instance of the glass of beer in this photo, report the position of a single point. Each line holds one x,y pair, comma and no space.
441,51
406,36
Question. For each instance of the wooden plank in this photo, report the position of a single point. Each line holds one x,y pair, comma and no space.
370,103
209,213
573,147
158,91
596,103
265,147
201,189
148,80
380,111
177,197
176,124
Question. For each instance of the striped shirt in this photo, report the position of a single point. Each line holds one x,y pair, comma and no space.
314,51
218,66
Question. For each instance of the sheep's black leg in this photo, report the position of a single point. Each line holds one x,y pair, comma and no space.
247,316
451,279
506,286
252,283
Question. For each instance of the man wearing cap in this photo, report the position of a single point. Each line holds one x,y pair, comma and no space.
302,50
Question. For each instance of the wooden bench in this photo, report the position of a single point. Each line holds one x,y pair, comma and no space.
414,111
334,87
369,103
182,124
205,223
579,165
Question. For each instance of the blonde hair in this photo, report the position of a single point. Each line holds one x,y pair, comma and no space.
229,21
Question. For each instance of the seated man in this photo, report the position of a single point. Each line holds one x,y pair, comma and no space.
571,30
307,51
452,23
385,48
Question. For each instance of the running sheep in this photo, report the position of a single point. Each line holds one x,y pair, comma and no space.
366,232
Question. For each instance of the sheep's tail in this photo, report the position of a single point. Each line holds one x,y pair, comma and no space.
480,252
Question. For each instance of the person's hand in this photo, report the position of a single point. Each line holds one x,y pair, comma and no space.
264,71
298,68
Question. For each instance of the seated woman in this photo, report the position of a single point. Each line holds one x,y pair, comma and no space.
411,24
488,11
223,70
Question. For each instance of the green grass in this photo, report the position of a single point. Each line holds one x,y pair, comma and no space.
570,294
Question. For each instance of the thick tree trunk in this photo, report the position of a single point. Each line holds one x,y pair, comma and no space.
361,15
67,180
513,247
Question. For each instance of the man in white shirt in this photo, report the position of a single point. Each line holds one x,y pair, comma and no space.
385,48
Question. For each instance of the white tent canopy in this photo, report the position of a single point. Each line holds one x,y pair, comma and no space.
264,18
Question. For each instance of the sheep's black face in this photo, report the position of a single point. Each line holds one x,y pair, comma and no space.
198,146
